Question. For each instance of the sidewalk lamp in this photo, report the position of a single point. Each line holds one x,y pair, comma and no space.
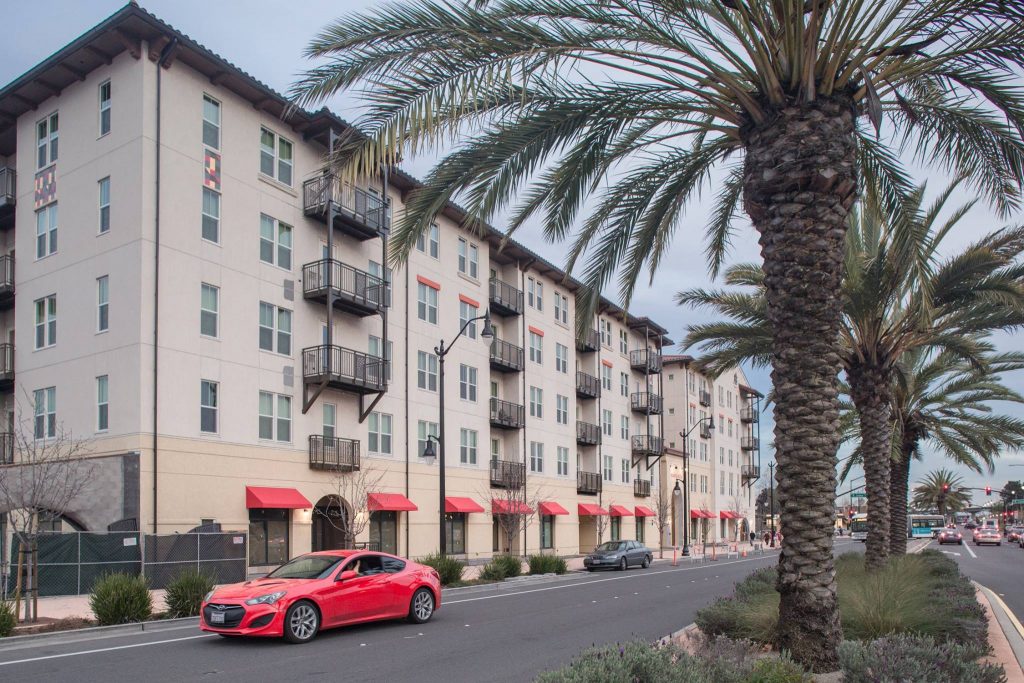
686,480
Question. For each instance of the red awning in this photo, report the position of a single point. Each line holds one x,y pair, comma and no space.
273,497
619,511
510,507
590,510
389,501
729,514
465,505
550,507
642,511
700,514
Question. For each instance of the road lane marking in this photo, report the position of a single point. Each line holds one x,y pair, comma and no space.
970,552
106,649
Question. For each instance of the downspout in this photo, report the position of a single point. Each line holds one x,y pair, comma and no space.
407,420
522,340
164,54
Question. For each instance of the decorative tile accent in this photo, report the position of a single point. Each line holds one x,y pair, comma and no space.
46,187
211,171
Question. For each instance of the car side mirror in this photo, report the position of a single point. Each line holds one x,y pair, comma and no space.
346,575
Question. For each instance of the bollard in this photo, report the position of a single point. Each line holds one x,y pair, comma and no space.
675,559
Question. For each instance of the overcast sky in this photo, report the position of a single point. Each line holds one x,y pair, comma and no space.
266,39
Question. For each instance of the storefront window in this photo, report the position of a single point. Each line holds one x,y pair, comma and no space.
640,528
384,531
494,534
455,532
268,536
616,528
547,531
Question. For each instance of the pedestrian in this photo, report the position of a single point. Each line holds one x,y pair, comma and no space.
752,537
767,538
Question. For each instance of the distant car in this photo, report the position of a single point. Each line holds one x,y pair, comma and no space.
987,535
619,555
323,590
970,525
950,536
1014,533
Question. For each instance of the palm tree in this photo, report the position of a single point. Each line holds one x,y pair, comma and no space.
943,491
549,101
897,297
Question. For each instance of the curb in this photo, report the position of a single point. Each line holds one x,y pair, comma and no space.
94,632
1005,634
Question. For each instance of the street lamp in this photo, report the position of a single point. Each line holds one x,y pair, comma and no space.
428,450
686,478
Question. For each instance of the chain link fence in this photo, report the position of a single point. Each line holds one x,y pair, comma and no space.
222,555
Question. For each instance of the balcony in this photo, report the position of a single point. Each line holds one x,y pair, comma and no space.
507,475
641,488
750,471
6,448
588,483
333,453
8,192
507,415
506,357
750,443
588,342
6,281
647,445
359,213
587,386
749,415
587,434
646,361
355,291
647,403
706,432
344,369
6,367
504,298
705,397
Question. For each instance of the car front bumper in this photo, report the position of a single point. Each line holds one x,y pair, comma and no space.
256,620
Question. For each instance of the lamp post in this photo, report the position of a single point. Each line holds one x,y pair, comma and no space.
771,499
686,478
428,451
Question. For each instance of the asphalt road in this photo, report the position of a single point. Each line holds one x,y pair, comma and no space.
476,635
998,568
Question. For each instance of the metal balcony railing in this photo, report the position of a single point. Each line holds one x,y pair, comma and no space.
587,386
587,433
507,475
647,445
333,453
588,342
360,213
8,190
647,361
750,471
641,488
506,357
6,448
6,366
344,368
749,415
507,415
706,432
6,280
355,291
646,402
749,443
504,298
705,397
588,482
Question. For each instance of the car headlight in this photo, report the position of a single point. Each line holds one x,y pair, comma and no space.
268,599
206,598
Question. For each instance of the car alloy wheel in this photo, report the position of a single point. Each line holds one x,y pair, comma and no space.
301,622
623,565
422,606
647,562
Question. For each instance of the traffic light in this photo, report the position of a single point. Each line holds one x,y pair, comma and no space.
988,490
945,488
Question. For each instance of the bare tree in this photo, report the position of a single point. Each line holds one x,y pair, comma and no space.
517,508
42,480
663,517
601,523
353,487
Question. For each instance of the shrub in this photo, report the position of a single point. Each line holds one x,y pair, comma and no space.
913,659
185,593
448,568
547,564
510,565
120,599
8,619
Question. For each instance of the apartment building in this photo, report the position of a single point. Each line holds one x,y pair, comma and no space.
717,464
235,350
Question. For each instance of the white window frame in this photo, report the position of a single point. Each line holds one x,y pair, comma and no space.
466,313
537,457
103,190
561,308
47,223
537,403
537,348
102,403
214,125
424,428
624,470
374,348
467,382
606,378
624,383
279,242
379,433
561,409
280,329
606,421
278,163
44,411
469,258
105,106
624,342
102,303
608,468
467,446
46,321
426,303
561,358
280,417
48,143
623,426
562,461
426,371
209,312
329,420
429,243
210,215
212,407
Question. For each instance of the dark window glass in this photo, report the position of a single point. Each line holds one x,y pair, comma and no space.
365,565
547,531
268,536
455,531
640,528
392,565
384,531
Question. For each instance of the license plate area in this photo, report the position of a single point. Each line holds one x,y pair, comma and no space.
216,617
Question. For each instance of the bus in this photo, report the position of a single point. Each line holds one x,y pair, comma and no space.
859,527
924,526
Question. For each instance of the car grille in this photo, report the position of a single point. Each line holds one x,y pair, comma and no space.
233,615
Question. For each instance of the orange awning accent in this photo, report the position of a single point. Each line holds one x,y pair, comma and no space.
466,300
619,511
590,510
550,507
642,511
465,505
274,497
509,507
389,501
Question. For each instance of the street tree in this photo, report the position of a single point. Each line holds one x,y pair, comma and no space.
662,503
550,101
943,491
353,486
514,507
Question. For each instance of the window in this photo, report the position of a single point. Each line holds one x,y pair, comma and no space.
730,483
46,231
616,526
606,332
563,461
721,483
275,242
536,457
211,122
104,189
429,242
466,313
495,449
275,329
426,371
209,309
606,378
423,430
455,532
268,536
624,383
275,156
426,303
721,396
730,457
623,342
721,424
45,408
547,532
693,483
640,528
46,321
384,530
379,440
535,293
606,422
624,470
104,108
275,417
721,456
561,358
536,348
468,258
561,308
211,215
102,404
375,348
624,427
208,406
606,471
728,398
561,409
536,402
330,420
46,141
730,427
467,446
467,383
102,303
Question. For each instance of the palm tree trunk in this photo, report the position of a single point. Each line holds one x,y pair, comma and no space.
799,184
899,487
871,390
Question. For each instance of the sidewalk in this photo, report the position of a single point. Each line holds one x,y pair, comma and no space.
1005,635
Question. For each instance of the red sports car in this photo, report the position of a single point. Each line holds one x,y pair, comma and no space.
323,590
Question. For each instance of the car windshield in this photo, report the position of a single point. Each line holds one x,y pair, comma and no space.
611,546
306,567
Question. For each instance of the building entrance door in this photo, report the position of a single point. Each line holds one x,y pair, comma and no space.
330,524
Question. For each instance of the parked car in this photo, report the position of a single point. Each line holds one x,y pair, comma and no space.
323,590
987,535
619,555
1014,533
950,536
